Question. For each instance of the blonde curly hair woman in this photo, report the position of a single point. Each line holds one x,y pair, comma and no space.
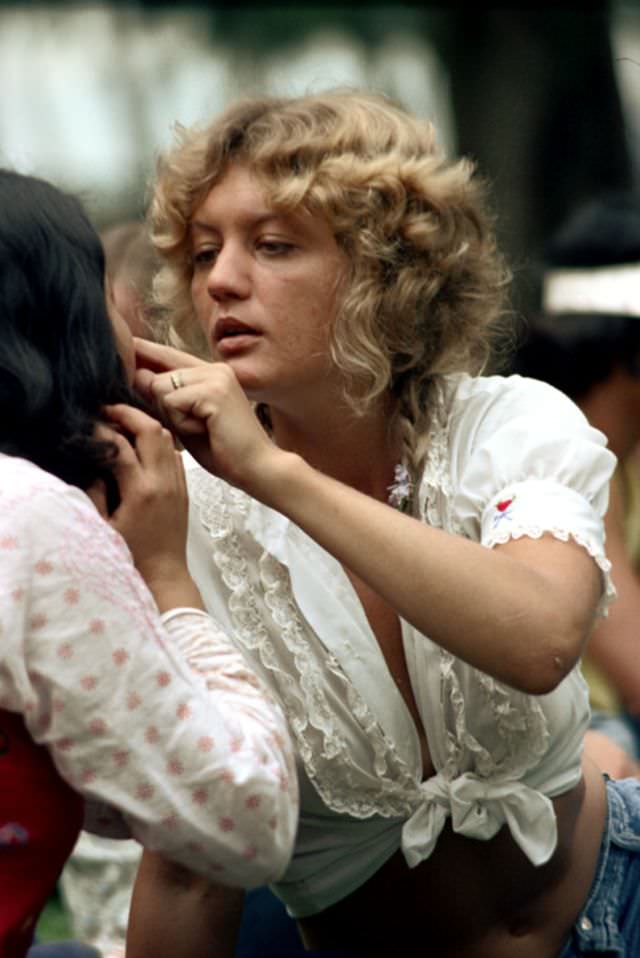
410,551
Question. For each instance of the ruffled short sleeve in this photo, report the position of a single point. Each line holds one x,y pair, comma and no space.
528,464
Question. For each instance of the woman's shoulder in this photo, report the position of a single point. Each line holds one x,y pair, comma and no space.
479,409
490,431
24,481
42,506
506,394
20,474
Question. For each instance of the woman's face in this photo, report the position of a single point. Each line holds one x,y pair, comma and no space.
123,337
264,289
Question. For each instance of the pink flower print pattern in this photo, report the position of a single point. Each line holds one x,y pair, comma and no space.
121,758
98,665
152,735
503,511
145,791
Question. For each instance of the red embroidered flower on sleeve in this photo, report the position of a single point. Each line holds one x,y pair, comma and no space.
503,510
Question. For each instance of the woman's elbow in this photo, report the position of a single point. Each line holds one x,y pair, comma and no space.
554,660
548,675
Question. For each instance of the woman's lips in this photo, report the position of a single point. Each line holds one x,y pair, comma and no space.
232,336
229,326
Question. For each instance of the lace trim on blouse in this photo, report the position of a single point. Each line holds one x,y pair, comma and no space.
323,748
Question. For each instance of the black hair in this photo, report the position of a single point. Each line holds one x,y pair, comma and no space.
575,351
59,363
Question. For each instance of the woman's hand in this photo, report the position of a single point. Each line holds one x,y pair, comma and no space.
207,409
153,509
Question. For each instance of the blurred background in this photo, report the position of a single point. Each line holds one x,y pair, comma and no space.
544,96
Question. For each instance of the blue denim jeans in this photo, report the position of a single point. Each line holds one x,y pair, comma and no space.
621,729
609,923
62,949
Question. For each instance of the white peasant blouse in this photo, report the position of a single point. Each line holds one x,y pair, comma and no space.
508,457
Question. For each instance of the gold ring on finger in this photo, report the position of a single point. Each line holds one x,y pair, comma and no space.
176,380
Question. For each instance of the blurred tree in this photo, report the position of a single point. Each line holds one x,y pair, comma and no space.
536,103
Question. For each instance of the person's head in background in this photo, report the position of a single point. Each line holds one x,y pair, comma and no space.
421,292
131,265
586,338
59,358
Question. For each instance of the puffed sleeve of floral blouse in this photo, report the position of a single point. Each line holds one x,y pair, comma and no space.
160,719
529,463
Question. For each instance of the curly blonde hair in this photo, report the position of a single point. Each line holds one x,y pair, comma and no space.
426,285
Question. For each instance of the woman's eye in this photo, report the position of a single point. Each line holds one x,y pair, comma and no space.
204,257
274,247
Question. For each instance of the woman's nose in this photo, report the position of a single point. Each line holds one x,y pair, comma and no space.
229,274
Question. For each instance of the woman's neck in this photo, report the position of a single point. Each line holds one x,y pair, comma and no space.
357,450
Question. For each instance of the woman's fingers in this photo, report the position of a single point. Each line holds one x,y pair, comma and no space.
152,512
189,397
153,443
157,388
162,385
159,358
133,420
207,409
143,381
126,455
172,394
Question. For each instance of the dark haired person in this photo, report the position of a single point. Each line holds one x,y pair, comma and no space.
121,702
586,342
97,880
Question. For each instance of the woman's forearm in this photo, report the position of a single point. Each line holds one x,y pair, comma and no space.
520,612
176,914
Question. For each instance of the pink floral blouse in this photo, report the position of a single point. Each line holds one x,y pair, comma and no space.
158,722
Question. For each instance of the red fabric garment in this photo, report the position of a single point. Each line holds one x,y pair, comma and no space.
40,818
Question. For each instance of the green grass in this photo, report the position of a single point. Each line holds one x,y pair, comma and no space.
54,923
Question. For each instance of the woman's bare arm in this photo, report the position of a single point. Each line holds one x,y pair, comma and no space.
521,611
176,914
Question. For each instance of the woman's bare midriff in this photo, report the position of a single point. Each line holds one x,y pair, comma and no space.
475,899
